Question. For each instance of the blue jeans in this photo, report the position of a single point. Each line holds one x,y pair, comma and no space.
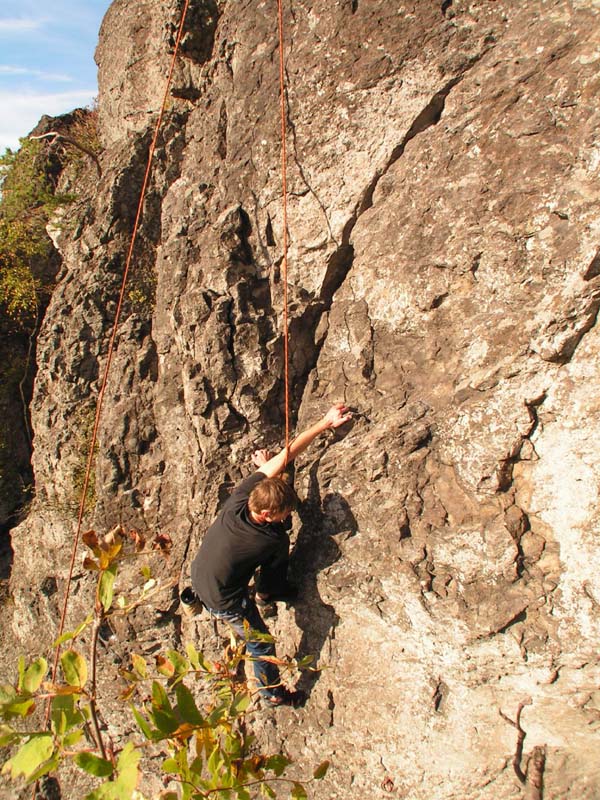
266,673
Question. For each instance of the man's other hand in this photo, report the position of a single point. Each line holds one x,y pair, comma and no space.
260,457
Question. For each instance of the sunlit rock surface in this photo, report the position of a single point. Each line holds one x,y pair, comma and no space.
444,262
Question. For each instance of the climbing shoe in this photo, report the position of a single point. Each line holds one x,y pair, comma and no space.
191,605
285,697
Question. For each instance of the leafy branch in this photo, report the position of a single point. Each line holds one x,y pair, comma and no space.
206,748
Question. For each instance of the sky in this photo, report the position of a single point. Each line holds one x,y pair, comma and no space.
46,61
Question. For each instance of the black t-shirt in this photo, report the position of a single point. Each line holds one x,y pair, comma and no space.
232,549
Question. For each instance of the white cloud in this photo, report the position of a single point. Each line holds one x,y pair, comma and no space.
20,112
9,70
15,25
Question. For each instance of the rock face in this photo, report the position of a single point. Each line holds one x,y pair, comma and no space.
444,281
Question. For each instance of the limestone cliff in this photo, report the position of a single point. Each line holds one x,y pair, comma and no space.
444,282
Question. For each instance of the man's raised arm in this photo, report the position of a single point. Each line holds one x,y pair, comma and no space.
337,415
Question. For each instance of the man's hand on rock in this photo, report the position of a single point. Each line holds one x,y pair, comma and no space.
260,457
337,415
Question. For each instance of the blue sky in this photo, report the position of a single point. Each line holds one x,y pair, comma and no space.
46,61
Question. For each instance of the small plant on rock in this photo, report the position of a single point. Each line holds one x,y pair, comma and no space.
205,747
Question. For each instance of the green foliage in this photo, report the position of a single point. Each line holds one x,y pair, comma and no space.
25,184
30,678
206,748
35,753
26,277
74,668
14,703
27,202
95,765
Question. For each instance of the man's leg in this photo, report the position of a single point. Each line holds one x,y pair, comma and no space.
266,673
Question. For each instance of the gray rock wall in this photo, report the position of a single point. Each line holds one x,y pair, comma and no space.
444,262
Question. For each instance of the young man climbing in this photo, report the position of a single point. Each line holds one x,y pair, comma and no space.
247,535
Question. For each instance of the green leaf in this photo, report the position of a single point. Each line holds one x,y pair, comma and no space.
304,663
74,668
159,697
106,586
243,794
217,714
171,765
142,723
298,792
48,766
240,703
186,706
192,654
30,756
180,664
277,764
107,791
321,771
165,721
72,738
139,666
233,746
197,659
7,736
22,708
127,768
127,777
94,765
12,704
59,723
266,790
21,668
34,675
64,715
74,634
214,763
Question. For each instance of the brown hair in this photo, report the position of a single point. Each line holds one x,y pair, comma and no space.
273,495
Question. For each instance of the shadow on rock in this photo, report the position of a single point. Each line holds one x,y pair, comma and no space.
315,551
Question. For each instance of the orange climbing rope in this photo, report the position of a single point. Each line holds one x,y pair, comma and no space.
128,261
284,269
111,346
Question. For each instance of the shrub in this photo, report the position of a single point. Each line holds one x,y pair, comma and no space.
27,268
206,749
25,247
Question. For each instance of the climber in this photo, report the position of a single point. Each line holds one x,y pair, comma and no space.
249,534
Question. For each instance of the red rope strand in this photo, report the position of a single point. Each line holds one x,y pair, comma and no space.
111,346
284,270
